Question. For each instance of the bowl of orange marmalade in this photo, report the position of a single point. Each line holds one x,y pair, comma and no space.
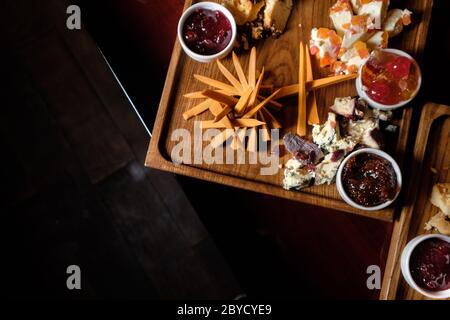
389,79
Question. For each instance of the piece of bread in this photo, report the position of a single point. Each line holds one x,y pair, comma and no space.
241,9
440,197
439,222
276,14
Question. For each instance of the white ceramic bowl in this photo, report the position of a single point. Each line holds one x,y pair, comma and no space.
362,93
404,265
210,6
341,189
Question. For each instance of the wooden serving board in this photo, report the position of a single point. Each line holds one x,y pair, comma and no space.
280,59
432,160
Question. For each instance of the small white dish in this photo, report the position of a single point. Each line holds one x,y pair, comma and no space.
362,93
209,6
341,188
406,271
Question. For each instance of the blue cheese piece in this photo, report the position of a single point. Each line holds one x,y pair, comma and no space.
297,175
326,170
328,137
346,144
324,135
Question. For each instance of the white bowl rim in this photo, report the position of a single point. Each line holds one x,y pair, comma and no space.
347,198
377,105
211,6
406,271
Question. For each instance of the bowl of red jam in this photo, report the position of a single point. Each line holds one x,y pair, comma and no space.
207,31
389,79
369,179
425,265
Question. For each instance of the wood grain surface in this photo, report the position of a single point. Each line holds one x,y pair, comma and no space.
280,59
432,159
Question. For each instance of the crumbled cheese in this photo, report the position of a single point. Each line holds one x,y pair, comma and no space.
326,170
357,129
324,135
296,175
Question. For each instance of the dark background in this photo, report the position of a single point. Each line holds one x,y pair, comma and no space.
75,190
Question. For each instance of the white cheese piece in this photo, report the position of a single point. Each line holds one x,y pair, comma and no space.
328,137
341,15
356,5
324,45
352,58
346,144
358,31
377,10
358,130
379,40
356,61
324,135
296,175
344,106
326,170
395,21
350,37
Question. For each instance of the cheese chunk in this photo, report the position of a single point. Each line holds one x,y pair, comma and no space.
355,57
327,134
376,9
341,15
296,175
360,130
439,222
326,170
379,40
326,44
395,21
356,5
358,31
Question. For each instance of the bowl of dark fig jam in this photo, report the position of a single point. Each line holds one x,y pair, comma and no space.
425,265
207,31
389,79
369,179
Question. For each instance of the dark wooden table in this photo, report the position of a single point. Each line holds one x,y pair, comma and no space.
78,193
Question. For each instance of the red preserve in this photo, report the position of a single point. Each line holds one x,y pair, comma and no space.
390,78
207,32
430,265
